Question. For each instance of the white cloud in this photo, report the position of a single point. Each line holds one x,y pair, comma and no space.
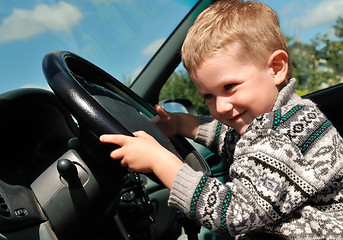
326,12
24,24
153,47
105,1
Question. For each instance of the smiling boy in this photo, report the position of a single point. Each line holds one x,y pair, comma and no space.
285,157
237,91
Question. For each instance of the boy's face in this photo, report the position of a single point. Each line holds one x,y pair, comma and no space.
235,91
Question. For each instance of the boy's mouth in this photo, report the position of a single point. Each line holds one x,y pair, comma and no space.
236,118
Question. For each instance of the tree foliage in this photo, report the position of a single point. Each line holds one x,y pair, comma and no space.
316,65
180,85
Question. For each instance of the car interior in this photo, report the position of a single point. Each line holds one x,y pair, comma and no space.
57,180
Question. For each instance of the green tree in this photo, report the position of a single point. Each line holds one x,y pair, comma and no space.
180,85
318,64
332,50
303,63
338,27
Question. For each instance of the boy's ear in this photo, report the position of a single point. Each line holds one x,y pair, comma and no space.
278,63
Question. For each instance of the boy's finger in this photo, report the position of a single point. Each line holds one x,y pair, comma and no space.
161,112
155,119
123,163
114,138
117,155
142,134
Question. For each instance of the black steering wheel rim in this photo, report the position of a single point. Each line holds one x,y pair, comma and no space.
64,84
64,72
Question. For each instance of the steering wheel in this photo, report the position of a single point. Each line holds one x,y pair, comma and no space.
102,104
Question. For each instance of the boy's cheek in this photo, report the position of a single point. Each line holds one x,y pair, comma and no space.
215,115
211,109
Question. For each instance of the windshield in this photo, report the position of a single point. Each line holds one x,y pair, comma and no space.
120,36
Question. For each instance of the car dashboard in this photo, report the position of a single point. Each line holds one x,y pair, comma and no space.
37,133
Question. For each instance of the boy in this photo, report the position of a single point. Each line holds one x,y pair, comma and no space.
286,157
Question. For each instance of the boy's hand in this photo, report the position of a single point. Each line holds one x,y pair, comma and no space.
183,124
142,153
165,121
133,150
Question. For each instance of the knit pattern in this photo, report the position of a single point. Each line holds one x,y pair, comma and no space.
286,171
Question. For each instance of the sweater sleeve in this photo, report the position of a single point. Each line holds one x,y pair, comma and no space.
216,136
274,173
228,208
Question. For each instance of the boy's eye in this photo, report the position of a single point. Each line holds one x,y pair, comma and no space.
229,86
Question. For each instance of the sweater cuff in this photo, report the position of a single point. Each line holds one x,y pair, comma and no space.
183,188
206,133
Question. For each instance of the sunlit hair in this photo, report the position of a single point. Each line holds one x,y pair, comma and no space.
253,25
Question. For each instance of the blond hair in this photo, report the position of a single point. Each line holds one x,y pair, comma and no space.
253,25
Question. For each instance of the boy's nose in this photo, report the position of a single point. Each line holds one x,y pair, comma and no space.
222,105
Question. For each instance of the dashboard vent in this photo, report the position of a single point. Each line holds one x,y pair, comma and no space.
4,211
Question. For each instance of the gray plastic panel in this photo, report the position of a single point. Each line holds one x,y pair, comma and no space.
38,232
64,206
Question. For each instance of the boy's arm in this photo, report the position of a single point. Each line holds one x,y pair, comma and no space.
187,125
176,123
241,205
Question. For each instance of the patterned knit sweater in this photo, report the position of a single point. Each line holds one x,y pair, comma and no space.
286,176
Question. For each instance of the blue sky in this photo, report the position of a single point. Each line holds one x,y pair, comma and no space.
306,18
117,40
